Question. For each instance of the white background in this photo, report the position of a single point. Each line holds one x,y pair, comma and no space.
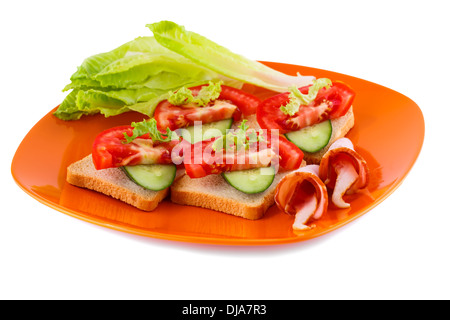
399,250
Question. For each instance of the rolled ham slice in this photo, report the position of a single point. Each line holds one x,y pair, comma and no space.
303,194
343,170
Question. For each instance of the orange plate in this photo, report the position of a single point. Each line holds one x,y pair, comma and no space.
39,168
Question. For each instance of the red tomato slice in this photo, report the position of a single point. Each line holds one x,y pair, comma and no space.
329,104
232,103
291,156
110,151
198,166
203,160
175,117
246,102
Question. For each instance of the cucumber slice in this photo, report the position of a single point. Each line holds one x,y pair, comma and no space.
154,177
252,180
209,130
312,138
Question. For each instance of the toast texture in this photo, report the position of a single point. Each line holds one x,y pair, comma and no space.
341,126
113,182
213,192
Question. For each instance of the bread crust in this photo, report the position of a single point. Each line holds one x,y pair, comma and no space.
250,207
113,182
230,206
213,192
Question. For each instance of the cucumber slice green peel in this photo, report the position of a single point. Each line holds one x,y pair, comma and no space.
250,181
313,138
154,177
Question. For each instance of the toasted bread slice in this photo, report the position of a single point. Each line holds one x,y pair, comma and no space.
341,126
213,192
113,182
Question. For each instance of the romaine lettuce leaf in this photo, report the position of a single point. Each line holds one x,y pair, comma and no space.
96,63
139,74
68,110
140,70
221,60
109,102
135,76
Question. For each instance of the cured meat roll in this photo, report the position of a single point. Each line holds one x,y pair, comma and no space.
344,171
303,194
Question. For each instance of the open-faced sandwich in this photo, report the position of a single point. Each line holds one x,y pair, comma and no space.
215,145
